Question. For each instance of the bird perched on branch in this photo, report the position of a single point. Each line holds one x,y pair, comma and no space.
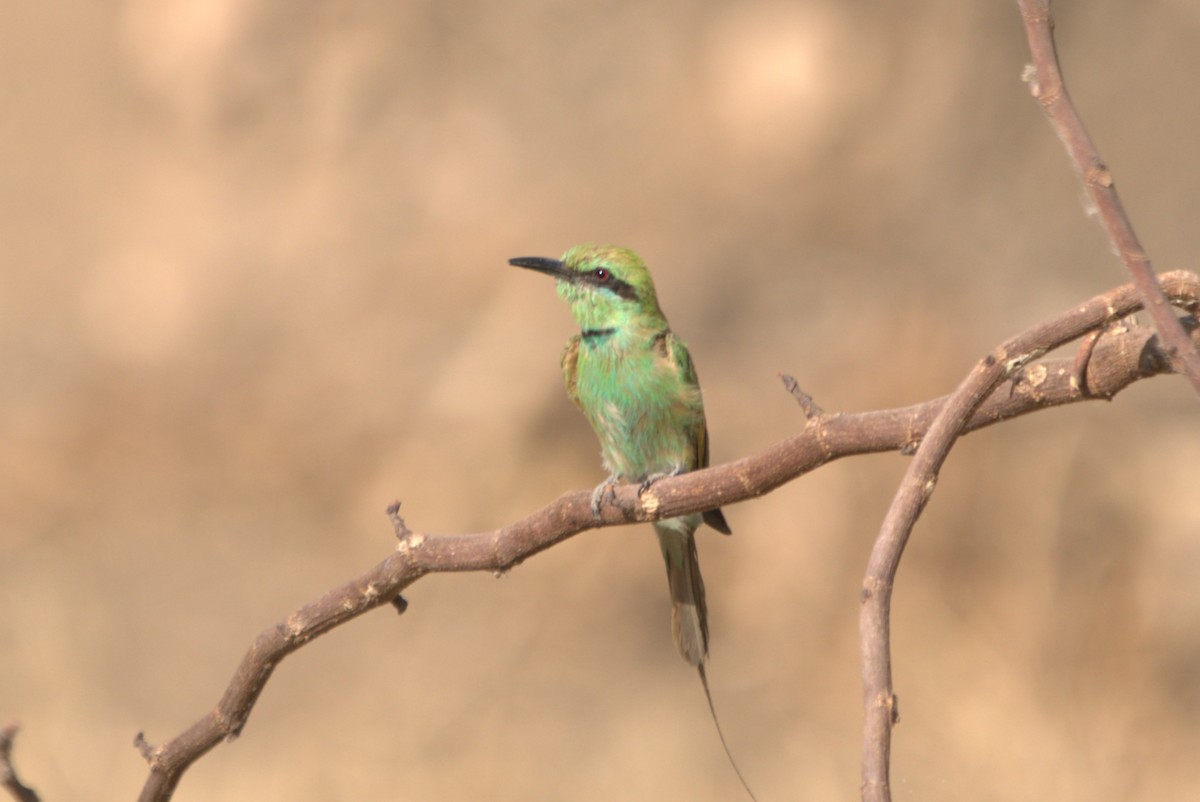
634,381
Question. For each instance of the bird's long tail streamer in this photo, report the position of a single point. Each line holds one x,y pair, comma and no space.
712,709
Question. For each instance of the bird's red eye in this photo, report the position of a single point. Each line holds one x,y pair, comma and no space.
602,274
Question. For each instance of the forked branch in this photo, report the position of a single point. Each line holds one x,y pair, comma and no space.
954,418
1046,83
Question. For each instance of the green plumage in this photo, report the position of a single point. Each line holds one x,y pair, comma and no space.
635,382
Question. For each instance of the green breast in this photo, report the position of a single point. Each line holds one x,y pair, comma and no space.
647,417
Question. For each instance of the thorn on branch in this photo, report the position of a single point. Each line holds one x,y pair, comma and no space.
810,407
398,525
144,747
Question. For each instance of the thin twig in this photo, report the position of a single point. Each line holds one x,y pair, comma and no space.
811,408
1046,84
830,436
8,775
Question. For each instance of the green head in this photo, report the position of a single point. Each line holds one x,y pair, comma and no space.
604,285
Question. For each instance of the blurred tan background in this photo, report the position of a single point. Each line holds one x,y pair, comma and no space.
254,288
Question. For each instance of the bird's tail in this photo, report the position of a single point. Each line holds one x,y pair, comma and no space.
689,614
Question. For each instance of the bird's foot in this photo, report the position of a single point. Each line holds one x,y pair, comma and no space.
604,491
654,477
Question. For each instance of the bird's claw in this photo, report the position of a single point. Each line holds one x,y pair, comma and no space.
654,477
603,490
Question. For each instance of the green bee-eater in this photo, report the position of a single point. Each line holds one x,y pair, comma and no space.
634,380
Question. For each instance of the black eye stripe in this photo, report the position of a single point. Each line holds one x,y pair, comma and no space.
605,280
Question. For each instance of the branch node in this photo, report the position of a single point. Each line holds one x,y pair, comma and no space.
1082,359
229,728
401,605
1017,362
1099,175
810,407
650,503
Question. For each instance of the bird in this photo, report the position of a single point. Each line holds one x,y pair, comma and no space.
634,381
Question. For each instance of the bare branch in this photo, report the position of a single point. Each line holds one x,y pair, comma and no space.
1120,358
8,775
953,418
1046,84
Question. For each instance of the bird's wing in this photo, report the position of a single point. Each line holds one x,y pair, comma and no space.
570,369
678,352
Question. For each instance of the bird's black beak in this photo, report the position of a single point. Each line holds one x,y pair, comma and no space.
551,267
